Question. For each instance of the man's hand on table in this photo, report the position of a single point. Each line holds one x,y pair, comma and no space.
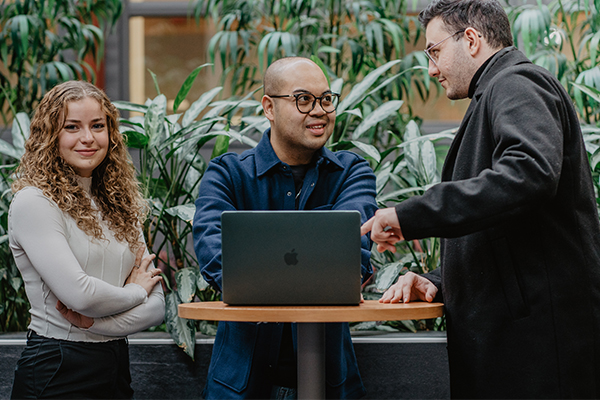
410,287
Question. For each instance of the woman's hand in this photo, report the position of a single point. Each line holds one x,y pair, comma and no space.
79,320
142,274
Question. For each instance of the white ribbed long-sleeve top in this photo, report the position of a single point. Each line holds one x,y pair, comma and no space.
59,261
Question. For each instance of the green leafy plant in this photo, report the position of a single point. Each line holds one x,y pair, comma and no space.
170,169
14,306
406,164
43,43
563,37
405,170
361,47
351,38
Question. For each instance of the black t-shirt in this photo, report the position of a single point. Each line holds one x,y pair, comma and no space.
286,374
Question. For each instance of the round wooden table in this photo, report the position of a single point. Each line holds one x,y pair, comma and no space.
311,327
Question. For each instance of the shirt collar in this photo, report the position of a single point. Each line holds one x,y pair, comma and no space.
473,85
267,159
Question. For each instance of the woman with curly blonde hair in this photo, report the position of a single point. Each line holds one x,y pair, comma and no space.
75,233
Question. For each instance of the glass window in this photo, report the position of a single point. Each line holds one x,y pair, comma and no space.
171,48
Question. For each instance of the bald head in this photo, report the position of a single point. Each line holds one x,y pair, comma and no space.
280,72
297,134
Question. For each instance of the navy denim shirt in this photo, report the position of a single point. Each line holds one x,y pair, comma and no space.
258,180
243,354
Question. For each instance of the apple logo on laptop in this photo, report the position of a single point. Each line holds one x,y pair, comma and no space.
291,258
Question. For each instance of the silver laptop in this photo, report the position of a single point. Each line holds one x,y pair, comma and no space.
291,257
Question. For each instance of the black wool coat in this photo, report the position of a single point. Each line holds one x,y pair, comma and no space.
520,270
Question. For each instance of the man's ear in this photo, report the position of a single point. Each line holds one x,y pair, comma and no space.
267,105
475,41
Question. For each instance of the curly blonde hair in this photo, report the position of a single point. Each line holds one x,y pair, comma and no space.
114,189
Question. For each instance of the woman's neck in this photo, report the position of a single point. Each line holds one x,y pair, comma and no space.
85,183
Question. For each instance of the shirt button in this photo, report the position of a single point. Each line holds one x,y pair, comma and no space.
312,184
289,193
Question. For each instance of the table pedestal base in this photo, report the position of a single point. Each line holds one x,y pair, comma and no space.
311,360
311,327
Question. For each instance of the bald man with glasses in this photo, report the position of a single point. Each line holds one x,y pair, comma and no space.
290,169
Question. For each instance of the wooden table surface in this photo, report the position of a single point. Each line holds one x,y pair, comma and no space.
370,310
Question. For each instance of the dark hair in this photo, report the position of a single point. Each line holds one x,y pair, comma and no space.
486,16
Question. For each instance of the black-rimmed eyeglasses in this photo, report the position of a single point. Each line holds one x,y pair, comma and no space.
434,55
305,102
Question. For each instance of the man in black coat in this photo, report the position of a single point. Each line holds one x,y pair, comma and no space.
520,269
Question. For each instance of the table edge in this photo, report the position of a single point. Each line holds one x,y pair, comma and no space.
371,310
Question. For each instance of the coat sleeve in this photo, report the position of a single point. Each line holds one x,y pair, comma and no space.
521,115
216,195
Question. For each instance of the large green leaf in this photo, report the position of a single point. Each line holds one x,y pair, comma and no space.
154,122
428,162
533,24
357,92
20,32
396,195
594,46
185,212
240,136
199,105
412,151
20,132
368,149
212,45
319,62
192,180
595,159
590,91
408,141
364,326
201,284
410,325
195,130
221,146
187,85
395,32
388,275
134,139
384,111
127,106
183,331
383,176
265,41
374,32
337,86
587,82
8,150
186,284
207,328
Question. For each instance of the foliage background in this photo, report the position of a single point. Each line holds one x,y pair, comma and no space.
42,43
362,47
